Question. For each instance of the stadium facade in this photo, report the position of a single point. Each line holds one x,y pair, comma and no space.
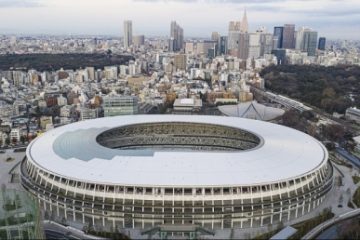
147,170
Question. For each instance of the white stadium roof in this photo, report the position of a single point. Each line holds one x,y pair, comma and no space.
72,151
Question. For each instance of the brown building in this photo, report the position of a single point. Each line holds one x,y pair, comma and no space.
180,62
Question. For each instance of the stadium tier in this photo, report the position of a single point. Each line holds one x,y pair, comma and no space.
143,171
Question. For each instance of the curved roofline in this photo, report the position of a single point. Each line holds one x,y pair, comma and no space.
269,163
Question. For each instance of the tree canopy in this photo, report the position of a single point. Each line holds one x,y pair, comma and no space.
332,89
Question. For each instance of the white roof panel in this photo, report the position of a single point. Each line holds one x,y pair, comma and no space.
285,153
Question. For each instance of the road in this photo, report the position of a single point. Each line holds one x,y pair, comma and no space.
332,232
348,156
52,228
315,231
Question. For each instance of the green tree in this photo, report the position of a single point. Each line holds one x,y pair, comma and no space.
22,139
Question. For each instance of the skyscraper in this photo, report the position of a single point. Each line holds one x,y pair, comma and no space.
299,42
289,36
322,43
233,38
243,50
244,23
310,42
278,34
223,45
266,44
127,33
176,37
215,36
306,40
254,45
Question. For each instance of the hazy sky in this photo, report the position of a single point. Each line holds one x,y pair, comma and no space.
332,18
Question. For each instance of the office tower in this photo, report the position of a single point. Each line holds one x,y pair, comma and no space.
266,43
322,43
233,38
243,50
254,45
139,40
177,35
223,45
278,34
127,33
244,23
172,46
289,36
310,42
215,36
299,43
180,62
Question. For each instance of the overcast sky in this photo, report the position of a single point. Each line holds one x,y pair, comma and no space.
332,18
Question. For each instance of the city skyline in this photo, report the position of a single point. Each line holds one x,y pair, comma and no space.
331,18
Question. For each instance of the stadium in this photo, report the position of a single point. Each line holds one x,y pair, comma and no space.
144,171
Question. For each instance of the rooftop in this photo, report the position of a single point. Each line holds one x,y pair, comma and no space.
285,153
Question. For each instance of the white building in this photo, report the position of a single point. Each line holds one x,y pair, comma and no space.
353,114
61,101
111,72
65,111
15,135
188,104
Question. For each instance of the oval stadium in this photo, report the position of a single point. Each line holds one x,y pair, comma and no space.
144,171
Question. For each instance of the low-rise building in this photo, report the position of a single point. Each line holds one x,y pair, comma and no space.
353,114
87,113
115,105
187,105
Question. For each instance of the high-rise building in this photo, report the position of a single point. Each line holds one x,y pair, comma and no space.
238,38
233,38
310,42
127,33
244,42
223,45
244,23
306,40
266,43
172,45
299,43
215,36
176,37
278,34
322,43
289,36
254,45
